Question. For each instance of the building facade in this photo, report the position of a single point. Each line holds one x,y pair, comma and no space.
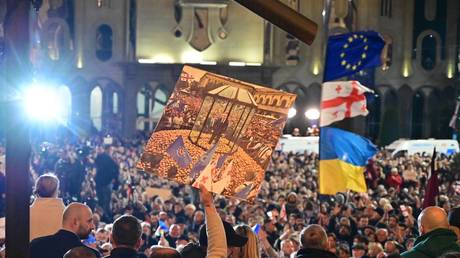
118,60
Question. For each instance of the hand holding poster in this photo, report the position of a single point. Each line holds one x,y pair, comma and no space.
217,131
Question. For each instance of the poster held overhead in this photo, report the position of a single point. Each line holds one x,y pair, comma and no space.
217,131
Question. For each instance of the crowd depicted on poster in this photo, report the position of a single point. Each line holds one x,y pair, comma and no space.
219,132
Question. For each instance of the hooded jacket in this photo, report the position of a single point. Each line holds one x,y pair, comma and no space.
314,253
433,244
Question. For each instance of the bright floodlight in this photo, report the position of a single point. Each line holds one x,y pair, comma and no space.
292,112
42,104
312,114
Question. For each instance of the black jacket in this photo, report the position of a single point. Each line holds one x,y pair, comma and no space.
106,170
123,252
55,246
314,253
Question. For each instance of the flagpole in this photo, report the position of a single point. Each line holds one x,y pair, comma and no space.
326,15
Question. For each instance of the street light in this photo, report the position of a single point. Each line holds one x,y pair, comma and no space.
312,114
292,112
43,104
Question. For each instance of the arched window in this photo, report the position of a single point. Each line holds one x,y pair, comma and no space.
65,96
390,125
418,102
429,52
275,102
387,52
55,41
115,102
96,107
144,105
373,119
104,42
159,103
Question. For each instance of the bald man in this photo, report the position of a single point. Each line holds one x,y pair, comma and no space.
435,237
164,252
314,244
77,224
80,252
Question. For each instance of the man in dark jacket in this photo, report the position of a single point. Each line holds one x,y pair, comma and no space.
77,224
436,239
106,174
314,243
126,238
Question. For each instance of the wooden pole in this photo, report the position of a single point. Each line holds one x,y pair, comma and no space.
18,72
284,17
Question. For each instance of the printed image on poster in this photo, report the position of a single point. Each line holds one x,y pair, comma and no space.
217,131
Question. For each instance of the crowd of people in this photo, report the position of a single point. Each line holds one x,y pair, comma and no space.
100,186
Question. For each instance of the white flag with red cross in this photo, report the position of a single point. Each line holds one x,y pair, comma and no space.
342,99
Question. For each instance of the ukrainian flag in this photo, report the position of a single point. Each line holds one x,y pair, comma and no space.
343,157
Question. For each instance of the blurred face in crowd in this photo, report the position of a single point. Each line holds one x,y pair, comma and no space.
270,227
344,230
189,210
174,231
390,247
343,253
382,235
146,229
96,219
392,222
292,199
363,221
375,249
332,244
102,236
199,217
287,247
358,253
163,216
292,220
177,208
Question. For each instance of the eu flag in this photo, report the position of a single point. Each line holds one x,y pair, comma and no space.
179,153
351,52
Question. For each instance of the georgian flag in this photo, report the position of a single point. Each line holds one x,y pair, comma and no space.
342,99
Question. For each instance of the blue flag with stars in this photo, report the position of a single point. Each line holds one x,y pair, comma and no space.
351,52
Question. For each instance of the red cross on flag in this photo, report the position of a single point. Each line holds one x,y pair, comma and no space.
205,177
342,99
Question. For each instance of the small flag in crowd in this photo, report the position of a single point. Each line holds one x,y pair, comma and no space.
256,229
343,157
179,153
432,188
340,100
351,52
162,228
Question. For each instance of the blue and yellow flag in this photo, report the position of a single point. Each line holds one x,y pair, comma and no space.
343,158
351,52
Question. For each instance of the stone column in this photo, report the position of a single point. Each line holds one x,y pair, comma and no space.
427,115
129,109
